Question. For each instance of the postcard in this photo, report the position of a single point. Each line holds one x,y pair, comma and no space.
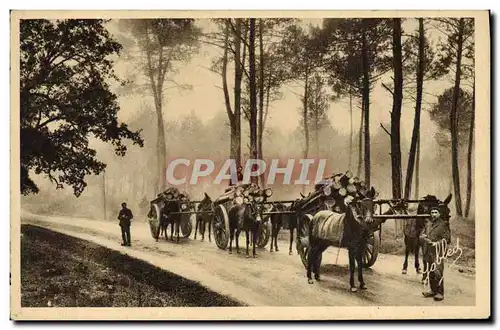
250,165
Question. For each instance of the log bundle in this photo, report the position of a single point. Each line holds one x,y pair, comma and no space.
173,194
248,190
337,190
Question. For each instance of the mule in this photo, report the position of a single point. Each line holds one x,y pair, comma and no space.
358,225
246,217
412,229
276,225
174,220
163,225
292,223
202,219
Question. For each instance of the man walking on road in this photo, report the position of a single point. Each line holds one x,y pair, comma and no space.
125,216
436,233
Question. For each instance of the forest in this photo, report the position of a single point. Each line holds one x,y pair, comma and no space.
105,104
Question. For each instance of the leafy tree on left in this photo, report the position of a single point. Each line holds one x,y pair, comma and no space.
65,96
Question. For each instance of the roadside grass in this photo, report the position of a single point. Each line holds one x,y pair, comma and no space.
63,271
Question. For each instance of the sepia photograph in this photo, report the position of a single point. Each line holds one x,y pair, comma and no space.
255,165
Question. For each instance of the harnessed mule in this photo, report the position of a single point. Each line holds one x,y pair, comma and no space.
173,220
203,218
356,225
411,231
247,217
292,223
276,225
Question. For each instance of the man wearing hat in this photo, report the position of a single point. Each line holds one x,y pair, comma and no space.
436,230
125,216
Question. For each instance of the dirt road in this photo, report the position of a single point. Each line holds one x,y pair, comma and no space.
272,279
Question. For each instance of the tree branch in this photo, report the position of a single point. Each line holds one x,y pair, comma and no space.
385,130
52,119
387,89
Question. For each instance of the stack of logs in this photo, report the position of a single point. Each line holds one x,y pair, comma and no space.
240,189
339,189
173,193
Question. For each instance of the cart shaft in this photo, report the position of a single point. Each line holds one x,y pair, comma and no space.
276,202
199,212
383,201
401,216
281,212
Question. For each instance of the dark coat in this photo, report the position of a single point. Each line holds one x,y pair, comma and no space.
435,231
125,216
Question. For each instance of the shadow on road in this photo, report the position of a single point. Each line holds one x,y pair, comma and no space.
341,270
190,293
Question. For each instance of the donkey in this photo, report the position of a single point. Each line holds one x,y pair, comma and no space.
277,221
163,224
247,217
292,223
202,219
174,220
358,224
411,231
276,224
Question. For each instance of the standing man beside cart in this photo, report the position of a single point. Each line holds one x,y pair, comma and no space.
125,216
436,231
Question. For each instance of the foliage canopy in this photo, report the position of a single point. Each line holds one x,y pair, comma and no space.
65,99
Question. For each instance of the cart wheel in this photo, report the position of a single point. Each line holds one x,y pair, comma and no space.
154,222
221,227
186,225
303,237
264,234
371,250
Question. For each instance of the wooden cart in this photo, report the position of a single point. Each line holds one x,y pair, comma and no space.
169,203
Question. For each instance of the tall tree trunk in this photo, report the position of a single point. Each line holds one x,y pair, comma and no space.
316,131
469,153
104,203
453,121
366,105
156,84
396,109
305,115
317,138
418,107
350,130
253,93
268,96
360,151
261,98
238,76
417,170
305,118
227,101
160,137
161,149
